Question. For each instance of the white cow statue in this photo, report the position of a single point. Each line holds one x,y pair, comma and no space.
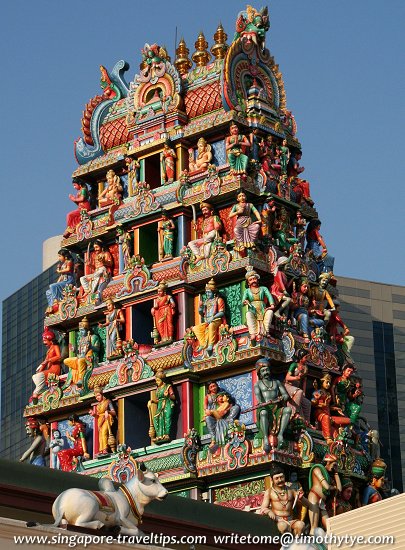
110,507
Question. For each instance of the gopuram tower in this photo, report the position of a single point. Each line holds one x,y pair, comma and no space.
195,322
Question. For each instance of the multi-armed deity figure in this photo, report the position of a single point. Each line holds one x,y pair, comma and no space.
161,409
219,412
87,352
203,158
260,306
105,414
212,312
50,365
211,227
245,231
163,311
112,193
273,414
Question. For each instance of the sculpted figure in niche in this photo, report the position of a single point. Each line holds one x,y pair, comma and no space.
245,231
211,226
82,200
87,353
105,414
203,158
114,321
260,307
235,144
65,269
212,311
112,193
51,363
219,412
163,312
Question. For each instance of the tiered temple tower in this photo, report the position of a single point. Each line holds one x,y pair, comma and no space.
196,315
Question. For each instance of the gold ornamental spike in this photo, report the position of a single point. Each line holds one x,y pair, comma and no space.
220,47
183,62
201,56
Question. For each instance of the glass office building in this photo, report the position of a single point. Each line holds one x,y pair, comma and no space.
23,351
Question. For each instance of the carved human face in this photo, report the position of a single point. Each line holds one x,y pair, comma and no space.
265,372
279,480
347,372
76,185
213,388
98,396
161,292
347,493
253,281
110,305
234,130
241,197
332,466
304,288
326,383
47,341
209,294
206,211
378,482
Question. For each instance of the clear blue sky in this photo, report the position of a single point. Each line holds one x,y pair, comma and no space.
342,63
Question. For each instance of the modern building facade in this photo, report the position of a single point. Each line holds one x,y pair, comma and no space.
375,313
23,351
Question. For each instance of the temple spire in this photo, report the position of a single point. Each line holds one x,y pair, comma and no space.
183,62
220,47
201,56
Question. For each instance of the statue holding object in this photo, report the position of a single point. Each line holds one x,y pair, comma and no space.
219,412
211,226
68,458
101,275
163,311
235,144
38,431
260,307
167,163
212,312
82,200
87,353
166,230
161,409
245,231
316,247
112,193
133,168
51,364
65,269
114,321
105,414
273,414
295,384
124,246
323,479
203,158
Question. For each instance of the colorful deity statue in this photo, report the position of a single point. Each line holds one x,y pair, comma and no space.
166,230
112,193
245,231
341,503
284,156
320,299
161,409
335,322
50,365
273,413
114,322
316,247
372,493
220,411
56,444
65,270
235,144
346,393
323,479
167,163
105,414
163,311
295,384
212,312
268,216
299,306
280,288
133,168
203,158
282,230
301,187
102,263
69,458
82,200
124,246
321,404
87,353
211,227
37,429
279,501
260,307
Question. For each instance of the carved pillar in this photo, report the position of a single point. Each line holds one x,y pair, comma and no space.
183,230
184,303
182,159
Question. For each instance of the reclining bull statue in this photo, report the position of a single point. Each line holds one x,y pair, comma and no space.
110,507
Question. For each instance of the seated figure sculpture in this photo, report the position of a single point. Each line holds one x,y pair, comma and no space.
112,193
50,365
94,282
273,415
203,158
212,311
211,226
87,351
65,270
219,413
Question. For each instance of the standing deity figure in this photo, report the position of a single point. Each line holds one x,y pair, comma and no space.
212,312
301,187
273,414
235,144
279,501
112,193
161,409
323,479
102,269
56,444
203,158
105,414
245,231
279,288
114,321
37,451
341,503
82,200
133,168
346,393
166,230
65,269
282,230
284,156
87,353
343,338
267,157
211,226
254,140
268,216
295,384
320,297
50,365
372,492
260,306
69,458
167,163
300,305
321,404
124,246
300,229
163,312
219,412
316,247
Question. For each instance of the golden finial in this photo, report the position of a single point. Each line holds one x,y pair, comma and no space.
183,62
220,47
201,56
